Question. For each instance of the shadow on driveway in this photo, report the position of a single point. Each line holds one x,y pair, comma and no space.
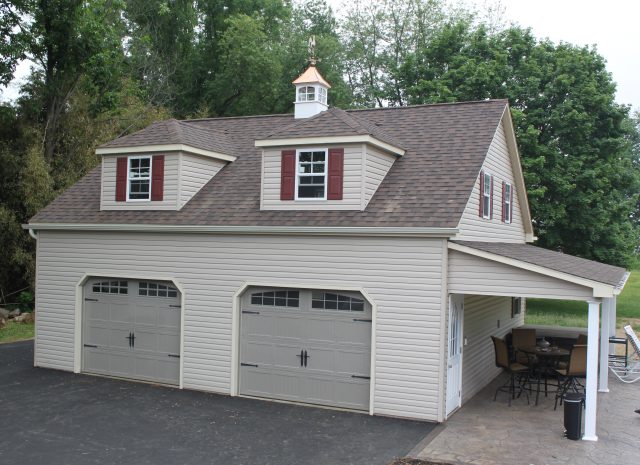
53,417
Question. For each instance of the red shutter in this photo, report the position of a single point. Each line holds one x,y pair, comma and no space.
157,177
511,204
288,175
504,198
121,179
480,207
491,200
336,174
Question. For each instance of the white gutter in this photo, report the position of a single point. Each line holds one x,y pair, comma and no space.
258,230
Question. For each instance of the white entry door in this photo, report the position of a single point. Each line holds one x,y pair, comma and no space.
454,364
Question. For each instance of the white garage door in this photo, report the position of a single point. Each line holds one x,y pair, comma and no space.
131,329
306,346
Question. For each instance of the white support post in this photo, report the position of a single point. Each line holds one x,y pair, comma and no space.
592,373
612,323
605,321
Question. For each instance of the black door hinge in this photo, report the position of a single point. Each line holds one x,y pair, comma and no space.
249,365
90,345
251,312
87,299
362,320
175,306
361,377
174,355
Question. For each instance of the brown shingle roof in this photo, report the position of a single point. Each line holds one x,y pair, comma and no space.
173,131
333,122
428,187
556,261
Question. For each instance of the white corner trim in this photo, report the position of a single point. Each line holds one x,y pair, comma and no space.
77,355
257,230
599,289
235,327
331,140
164,148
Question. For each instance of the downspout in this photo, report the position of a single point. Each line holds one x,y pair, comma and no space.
33,234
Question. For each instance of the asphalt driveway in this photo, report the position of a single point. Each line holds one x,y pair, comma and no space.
54,417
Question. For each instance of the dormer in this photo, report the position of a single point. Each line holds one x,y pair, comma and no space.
161,167
311,93
334,160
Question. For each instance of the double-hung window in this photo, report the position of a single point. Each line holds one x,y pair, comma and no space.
506,206
486,196
311,179
139,178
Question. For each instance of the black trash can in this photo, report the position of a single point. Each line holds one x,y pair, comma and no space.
573,403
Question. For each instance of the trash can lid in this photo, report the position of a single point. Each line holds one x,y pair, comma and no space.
573,397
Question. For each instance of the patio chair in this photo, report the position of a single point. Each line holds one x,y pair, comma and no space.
515,371
628,371
521,338
577,368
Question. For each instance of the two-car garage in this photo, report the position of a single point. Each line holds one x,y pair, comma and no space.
300,345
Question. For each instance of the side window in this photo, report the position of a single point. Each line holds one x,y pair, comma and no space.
322,94
306,94
148,289
336,301
111,287
487,195
276,299
139,178
506,206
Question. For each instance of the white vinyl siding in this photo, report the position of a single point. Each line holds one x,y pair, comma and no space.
170,196
377,166
352,183
403,276
469,274
195,172
481,316
472,226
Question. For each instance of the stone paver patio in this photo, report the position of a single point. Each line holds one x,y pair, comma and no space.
485,432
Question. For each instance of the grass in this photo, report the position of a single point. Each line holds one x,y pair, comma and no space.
574,313
16,332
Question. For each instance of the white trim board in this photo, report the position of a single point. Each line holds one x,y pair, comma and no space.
298,141
599,289
164,148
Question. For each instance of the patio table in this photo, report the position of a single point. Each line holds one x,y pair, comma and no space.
547,361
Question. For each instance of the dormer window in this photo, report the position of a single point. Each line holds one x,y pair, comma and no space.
312,174
307,94
139,178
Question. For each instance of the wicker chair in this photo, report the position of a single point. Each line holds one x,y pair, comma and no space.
515,370
577,368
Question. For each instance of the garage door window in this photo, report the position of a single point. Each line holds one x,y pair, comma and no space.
156,290
334,301
276,298
111,287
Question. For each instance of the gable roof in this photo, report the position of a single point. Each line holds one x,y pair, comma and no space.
174,132
331,123
311,75
556,261
428,187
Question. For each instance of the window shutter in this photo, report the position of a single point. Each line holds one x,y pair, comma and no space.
157,177
121,179
491,200
336,174
288,175
480,208
511,204
504,198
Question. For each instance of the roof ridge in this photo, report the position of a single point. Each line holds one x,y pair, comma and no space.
296,123
422,105
349,120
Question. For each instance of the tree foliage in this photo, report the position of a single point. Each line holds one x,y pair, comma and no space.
104,68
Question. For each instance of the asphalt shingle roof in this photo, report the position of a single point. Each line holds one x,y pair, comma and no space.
552,260
428,187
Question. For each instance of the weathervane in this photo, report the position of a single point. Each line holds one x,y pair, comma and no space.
312,51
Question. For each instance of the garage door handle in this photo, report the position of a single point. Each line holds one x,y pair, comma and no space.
90,345
249,365
361,377
251,312
174,355
362,320
87,299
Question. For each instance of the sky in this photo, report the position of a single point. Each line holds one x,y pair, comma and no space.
612,26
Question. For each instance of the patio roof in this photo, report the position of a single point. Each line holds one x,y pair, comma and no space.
606,280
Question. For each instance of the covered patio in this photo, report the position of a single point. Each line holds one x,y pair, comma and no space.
519,270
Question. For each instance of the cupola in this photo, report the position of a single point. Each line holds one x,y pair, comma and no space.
311,88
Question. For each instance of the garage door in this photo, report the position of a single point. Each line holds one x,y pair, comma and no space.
306,346
131,329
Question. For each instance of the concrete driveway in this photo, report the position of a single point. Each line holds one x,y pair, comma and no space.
54,417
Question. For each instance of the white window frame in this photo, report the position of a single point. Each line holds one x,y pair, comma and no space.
129,173
486,213
322,94
507,203
306,94
325,174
